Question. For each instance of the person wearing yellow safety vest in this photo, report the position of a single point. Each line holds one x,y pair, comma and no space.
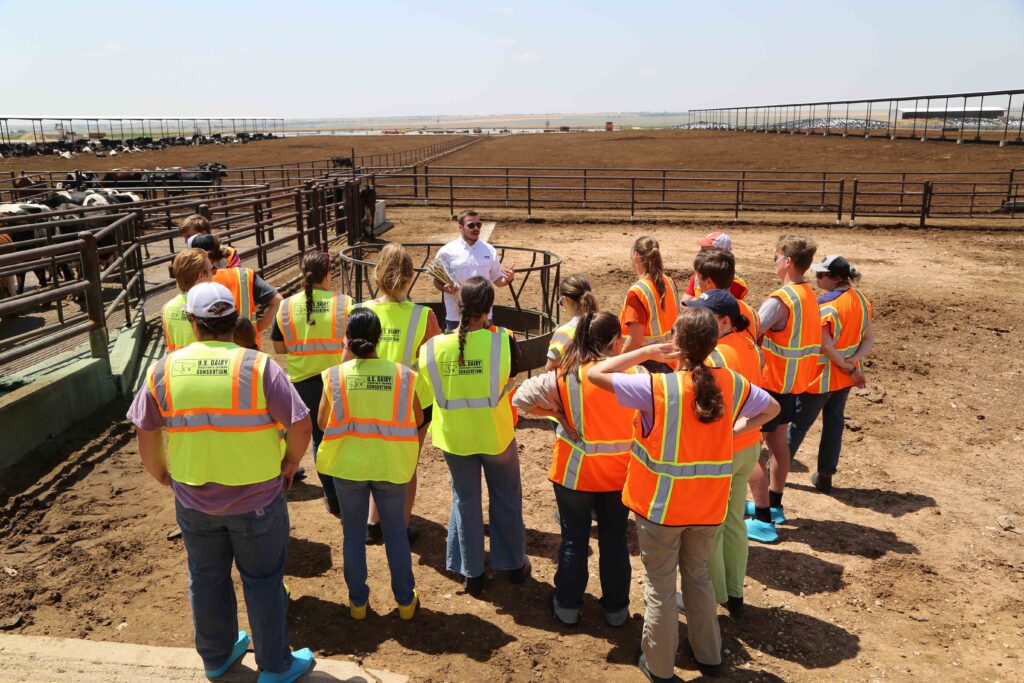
737,286
189,267
249,290
588,469
678,479
715,269
727,563
652,303
846,340
791,343
405,327
369,412
310,330
220,406
577,300
469,375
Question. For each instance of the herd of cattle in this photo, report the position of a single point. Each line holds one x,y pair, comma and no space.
108,147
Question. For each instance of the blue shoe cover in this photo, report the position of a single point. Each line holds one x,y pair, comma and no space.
748,508
762,532
302,663
779,515
241,645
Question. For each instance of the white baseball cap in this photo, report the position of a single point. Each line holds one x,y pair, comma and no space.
719,240
209,300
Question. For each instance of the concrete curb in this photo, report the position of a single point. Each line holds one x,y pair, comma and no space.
39,658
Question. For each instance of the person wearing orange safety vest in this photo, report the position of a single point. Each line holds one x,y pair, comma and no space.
369,414
309,330
249,289
791,343
678,479
220,406
715,268
846,340
576,299
728,561
652,303
737,286
590,455
189,268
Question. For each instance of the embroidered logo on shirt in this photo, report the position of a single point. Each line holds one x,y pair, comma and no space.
469,367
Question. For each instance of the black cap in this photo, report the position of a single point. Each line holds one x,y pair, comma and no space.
719,301
836,266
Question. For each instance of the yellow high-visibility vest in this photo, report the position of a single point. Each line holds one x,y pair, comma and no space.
177,329
316,345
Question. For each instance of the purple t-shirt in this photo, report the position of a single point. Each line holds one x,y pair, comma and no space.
284,405
634,391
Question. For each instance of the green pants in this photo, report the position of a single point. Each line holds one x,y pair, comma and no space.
727,563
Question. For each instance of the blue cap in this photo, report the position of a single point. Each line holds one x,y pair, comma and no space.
719,301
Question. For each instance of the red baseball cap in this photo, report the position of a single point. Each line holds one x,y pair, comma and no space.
719,240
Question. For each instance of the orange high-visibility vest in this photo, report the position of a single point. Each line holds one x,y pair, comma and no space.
661,313
754,330
791,354
240,282
847,318
736,352
738,288
599,460
681,472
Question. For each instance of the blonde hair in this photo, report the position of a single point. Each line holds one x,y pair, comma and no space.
393,271
648,250
188,267
194,222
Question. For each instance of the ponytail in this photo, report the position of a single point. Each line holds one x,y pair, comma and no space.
362,332
741,323
577,289
650,257
696,334
594,333
315,267
476,297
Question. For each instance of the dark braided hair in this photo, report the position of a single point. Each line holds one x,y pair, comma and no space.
594,333
650,256
315,266
696,336
476,297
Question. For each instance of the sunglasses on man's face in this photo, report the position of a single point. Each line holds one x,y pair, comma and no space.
474,226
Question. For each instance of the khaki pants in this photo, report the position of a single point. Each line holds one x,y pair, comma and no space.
728,561
666,550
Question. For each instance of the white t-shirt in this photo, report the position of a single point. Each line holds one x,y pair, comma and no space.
462,262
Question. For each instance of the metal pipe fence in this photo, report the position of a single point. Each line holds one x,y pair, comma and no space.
995,116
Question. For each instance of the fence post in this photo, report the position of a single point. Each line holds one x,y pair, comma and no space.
663,173
529,197
506,187
926,201
853,202
415,182
584,188
824,177
94,298
974,190
1009,182
632,198
451,196
839,204
426,184
903,187
736,207
261,256
299,231
204,211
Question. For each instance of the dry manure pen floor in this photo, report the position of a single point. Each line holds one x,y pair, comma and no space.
905,572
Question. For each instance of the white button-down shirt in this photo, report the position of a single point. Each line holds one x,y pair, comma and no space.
462,262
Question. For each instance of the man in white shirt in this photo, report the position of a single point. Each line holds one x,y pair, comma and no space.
466,257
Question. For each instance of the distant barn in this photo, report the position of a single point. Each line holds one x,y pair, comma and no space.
951,112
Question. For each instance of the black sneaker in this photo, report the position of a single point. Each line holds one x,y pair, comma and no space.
374,534
822,482
474,585
735,607
519,575
709,670
642,665
413,533
300,474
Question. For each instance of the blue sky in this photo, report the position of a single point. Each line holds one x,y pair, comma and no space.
294,59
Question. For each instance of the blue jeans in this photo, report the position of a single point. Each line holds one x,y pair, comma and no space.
832,406
354,497
574,509
257,542
310,390
466,522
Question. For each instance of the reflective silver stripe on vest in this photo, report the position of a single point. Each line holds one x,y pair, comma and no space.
497,391
796,312
652,306
285,323
340,311
216,420
671,417
245,368
371,429
159,383
659,503
737,395
243,293
681,470
789,354
402,410
337,403
317,347
575,464
410,336
717,360
604,448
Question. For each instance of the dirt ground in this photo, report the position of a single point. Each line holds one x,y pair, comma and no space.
905,572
